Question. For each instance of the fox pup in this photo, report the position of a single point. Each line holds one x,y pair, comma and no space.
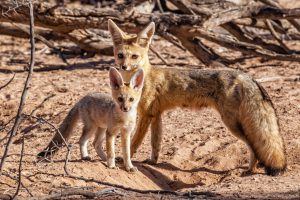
244,105
102,113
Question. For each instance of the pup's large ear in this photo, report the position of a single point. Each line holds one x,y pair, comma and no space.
116,33
116,80
137,80
145,36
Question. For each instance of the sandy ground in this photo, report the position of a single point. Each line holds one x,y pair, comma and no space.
198,152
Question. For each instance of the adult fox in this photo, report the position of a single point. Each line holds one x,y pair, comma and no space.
244,105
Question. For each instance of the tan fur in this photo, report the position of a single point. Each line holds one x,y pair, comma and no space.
102,113
242,103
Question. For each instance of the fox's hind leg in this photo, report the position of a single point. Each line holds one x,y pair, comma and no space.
98,141
236,128
253,161
87,132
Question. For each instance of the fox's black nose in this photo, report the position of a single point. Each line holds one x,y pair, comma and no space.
124,67
125,109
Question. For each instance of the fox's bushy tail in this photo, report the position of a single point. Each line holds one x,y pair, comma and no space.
262,131
64,132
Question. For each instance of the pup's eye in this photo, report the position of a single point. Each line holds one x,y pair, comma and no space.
134,56
120,99
120,55
131,99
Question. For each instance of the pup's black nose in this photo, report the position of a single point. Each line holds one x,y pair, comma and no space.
125,109
124,67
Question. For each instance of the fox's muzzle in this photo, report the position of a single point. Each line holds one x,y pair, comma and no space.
125,109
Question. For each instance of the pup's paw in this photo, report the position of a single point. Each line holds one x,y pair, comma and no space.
131,169
87,158
113,167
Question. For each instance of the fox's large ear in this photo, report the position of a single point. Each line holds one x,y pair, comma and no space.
116,33
137,80
116,80
145,36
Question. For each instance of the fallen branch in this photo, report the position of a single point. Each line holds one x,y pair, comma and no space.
160,192
66,20
237,32
75,192
46,42
264,65
10,176
231,43
258,24
253,11
294,22
231,14
276,36
6,28
278,78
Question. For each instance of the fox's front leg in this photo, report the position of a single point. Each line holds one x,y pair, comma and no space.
141,130
156,138
110,148
125,140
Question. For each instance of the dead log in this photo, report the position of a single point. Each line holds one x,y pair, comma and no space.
64,20
68,22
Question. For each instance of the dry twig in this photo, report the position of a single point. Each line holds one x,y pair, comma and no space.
20,167
158,55
276,36
8,82
25,90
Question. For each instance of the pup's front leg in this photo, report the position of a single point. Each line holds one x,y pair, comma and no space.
110,148
125,140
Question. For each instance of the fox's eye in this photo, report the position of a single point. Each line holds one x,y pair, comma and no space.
120,55
120,99
131,99
134,56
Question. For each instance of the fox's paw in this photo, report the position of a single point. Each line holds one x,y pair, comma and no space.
113,167
274,171
131,169
87,158
247,173
150,161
